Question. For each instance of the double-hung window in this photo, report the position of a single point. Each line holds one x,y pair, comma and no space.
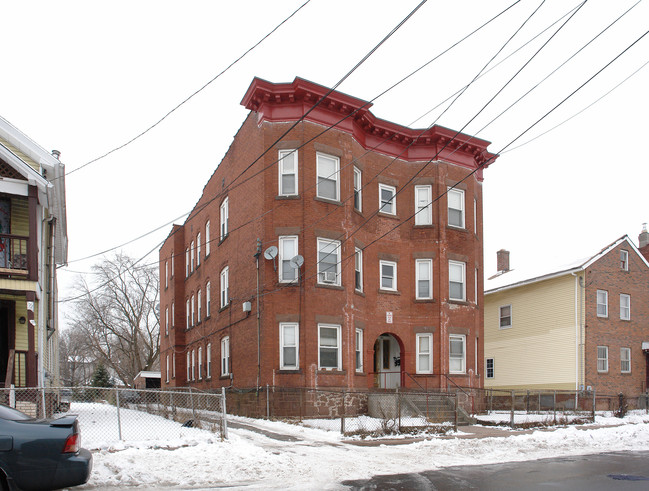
359,350
424,353
358,270
193,364
225,355
208,242
208,299
224,219
289,346
388,270
602,303
329,353
287,172
625,306
187,262
200,363
189,367
624,260
287,251
166,274
505,316
173,314
198,249
193,319
358,190
387,199
209,360
187,315
456,280
328,262
602,358
199,305
423,205
167,370
167,320
424,278
457,353
193,252
625,360
225,298
328,185
490,368
455,199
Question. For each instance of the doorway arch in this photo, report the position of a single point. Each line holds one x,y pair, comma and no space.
388,361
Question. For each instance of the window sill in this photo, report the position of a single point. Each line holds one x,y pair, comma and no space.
602,316
458,374
289,371
360,293
282,197
223,239
223,308
328,200
605,372
457,229
225,377
329,287
389,292
388,215
360,373
359,212
325,371
457,302
425,300
424,226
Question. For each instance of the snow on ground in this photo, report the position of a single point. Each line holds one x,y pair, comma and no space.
166,455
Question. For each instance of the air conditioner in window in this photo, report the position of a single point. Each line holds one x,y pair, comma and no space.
328,277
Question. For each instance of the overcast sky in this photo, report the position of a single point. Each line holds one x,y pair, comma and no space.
85,77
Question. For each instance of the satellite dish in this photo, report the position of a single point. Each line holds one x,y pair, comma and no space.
271,252
297,261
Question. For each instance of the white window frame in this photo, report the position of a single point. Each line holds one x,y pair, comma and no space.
625,307
200,363
506,315
428,265
388,207
173,314
332,177
424,205
193,317
283,326
193,365
187,263
208,299
198,249
166,274
225,356
189,367
358,269
393,287
358,350
208,242
475,216
284,260
187,315
492,368
602,359
167,370
192,253
460,194
453,265
338,346
421,353
462,359
209,360
224,213
624,260
172,263
625,358
199,306
602,301
167,321
173,365
323,278
225,295
358,189
282,154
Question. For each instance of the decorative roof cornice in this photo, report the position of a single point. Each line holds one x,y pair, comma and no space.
292,101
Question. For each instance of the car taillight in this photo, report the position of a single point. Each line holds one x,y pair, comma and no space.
72,444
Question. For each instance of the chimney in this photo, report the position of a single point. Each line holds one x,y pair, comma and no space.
502,262
643,238
56,154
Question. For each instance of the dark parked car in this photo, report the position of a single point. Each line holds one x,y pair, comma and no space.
41,453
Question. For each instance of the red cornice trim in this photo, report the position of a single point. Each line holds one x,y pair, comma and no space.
291,101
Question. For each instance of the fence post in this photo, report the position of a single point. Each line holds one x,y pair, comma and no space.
224,421
43,402
594,404
512,421
554,406
646,402
119,420
267,402
527,403
398,409
457,409
342,417
491,400
191,400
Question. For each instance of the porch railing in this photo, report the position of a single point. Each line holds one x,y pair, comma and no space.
13,253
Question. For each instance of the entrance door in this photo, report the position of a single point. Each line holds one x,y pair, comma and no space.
387,361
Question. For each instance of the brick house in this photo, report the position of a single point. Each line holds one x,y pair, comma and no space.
584,325
319,254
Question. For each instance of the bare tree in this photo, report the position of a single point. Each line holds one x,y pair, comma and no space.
118,316
77,359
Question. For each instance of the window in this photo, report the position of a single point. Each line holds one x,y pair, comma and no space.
225,299
173,314
287,251
602,358
198,249
624,260
166,274
625,306
224,219
359,350
328,262
457,354
327,185
287,172
200,363
625,360
199,305
456,280
475,217
475,287
167,370
455,207
173,365
358,270
208,242
288,346
193,321
358,196
423,205
424,278
387,199
329,356
209,360
490,368
388,271
187,314
208,300
602,303
187,262
424,353
192,256
193,365
505,316
172,263
189,367
167,321
225,355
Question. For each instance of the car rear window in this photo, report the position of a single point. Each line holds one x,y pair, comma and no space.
12,414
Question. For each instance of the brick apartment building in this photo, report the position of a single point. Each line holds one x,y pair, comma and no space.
330,248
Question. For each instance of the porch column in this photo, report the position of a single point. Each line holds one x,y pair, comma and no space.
32,373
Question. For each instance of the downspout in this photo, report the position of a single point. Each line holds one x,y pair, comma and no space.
578,329
257,254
